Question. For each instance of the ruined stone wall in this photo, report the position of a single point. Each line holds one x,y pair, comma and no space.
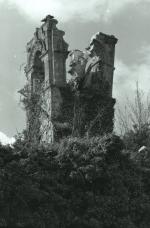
46,74
92,79
84,105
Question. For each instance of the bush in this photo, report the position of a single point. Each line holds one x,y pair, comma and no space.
85,183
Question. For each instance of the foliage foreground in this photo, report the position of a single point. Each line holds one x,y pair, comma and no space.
79,183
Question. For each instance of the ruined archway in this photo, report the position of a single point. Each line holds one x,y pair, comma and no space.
38,74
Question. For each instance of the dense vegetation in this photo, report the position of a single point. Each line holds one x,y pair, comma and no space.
79,183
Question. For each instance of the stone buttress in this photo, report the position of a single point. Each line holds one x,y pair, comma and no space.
46,76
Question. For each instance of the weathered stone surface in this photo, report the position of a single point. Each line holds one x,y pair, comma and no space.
91,67
46,74
55,108
92,80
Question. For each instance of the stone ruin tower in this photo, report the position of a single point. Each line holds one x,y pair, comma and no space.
56,108
46,74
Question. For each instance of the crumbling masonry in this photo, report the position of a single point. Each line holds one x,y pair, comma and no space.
56,108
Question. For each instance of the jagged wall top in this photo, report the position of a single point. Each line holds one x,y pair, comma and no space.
48,41
96,63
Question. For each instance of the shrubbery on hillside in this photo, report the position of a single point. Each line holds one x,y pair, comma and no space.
84,183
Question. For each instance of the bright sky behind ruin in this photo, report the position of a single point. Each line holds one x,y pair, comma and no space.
128,20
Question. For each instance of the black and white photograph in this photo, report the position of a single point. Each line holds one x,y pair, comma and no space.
75,114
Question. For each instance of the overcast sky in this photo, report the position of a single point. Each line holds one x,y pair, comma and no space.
128,20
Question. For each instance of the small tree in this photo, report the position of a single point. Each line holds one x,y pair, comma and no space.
134,120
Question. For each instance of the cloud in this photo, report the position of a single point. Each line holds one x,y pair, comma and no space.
66,9
4,139
126,76
16,31
128,20
125,79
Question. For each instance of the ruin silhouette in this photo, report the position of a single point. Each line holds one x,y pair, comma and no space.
55,107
